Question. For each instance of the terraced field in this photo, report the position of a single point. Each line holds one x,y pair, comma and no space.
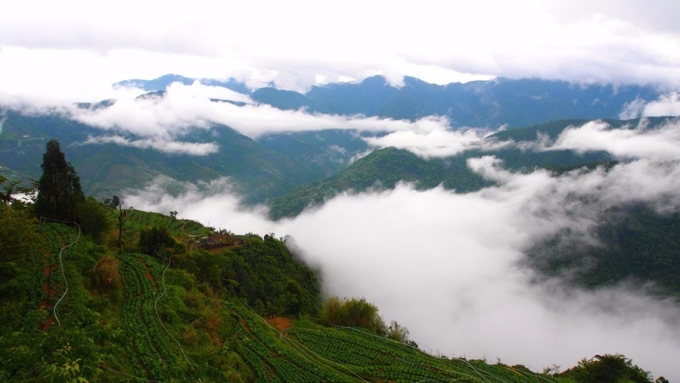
270,359
376,358
136,220
156,357
315,353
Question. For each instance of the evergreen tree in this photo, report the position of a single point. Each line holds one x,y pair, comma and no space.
59,190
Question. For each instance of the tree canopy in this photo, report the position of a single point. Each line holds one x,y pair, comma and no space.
59,190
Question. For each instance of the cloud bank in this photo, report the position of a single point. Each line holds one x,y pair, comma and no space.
447,265
163,121
172,147
658,144
297,44
186,107
668,105
438,142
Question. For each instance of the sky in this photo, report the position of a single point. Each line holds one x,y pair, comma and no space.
80,47
441,263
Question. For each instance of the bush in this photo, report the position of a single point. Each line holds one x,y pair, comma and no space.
352,313
93,219
107,273
607,368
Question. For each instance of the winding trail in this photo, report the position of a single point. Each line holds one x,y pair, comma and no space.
61,265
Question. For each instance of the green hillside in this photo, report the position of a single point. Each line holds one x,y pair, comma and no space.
502,101
258,171
640,246
383,168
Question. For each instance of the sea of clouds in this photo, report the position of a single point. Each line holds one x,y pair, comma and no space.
449,266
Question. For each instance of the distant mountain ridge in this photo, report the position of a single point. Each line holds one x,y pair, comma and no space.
514,103
278,163
161,83
502,101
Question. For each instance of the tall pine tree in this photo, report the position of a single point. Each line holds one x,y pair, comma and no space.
59,190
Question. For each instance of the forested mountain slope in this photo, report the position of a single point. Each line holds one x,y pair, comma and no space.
258,170
491,103
383,168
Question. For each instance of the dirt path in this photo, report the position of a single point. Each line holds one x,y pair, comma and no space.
148,275
281,324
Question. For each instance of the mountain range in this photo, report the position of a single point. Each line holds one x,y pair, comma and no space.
493,103
276,163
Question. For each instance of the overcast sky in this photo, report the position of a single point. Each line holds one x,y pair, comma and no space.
83,46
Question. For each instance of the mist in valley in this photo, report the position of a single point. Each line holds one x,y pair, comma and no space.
451,268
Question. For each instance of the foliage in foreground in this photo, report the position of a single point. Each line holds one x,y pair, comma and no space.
608,368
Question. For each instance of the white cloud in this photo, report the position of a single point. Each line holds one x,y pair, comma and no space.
207,200
298,42
633,109
659,144
210,92
2,120
668,105
172,147
186,107
439,142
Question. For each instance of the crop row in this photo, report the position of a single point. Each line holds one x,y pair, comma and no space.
370,359
349,349
266,356
260,366
376,358
140,321
407,373
342,352
259,346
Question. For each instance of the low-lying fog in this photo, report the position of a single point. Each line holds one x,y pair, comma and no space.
446,265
